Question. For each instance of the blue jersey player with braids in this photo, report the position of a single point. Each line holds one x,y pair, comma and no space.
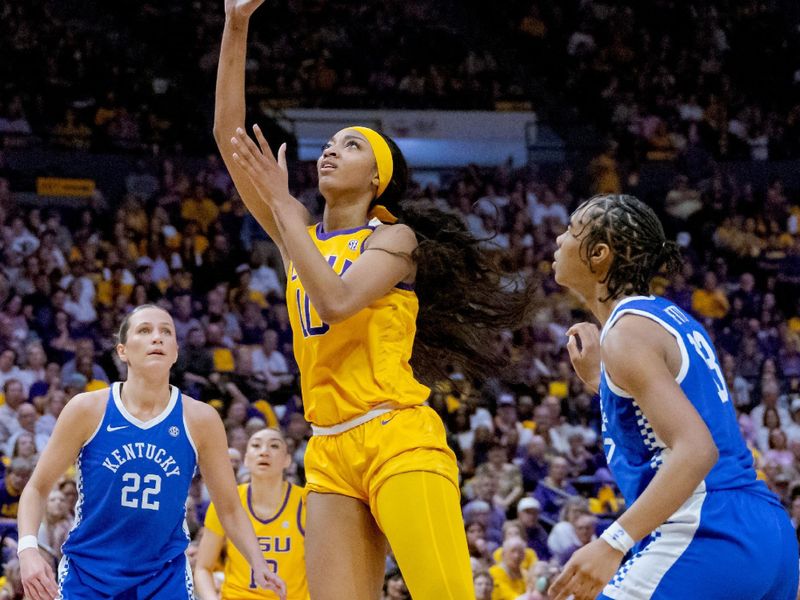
698,524
136,446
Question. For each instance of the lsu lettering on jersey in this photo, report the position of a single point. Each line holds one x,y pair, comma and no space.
133,478
348,368
282,540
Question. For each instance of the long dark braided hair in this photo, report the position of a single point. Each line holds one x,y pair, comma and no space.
465,298
640,250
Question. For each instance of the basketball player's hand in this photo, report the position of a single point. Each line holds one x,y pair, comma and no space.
37,577
241,8
269,175
266,579
587,572
584,353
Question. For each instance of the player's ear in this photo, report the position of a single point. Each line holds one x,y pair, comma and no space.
121,353
600,257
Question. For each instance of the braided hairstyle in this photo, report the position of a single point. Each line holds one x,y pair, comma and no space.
636,238
465,298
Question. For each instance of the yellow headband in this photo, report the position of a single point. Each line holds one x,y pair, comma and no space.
385,165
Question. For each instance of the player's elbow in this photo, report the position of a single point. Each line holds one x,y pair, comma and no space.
711,455
705,454
335,306
219,134
223,129
332,312
698,452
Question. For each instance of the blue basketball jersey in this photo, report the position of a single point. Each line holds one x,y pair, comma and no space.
730,514
633,450
133,479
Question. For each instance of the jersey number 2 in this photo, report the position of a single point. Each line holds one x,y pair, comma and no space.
705,351
152,487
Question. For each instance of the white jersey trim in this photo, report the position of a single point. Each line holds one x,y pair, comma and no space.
173,398
639,577
98,428
63,571
189,436
189,580
613,386
672,331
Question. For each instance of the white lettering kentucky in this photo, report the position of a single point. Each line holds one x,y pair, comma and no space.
138,450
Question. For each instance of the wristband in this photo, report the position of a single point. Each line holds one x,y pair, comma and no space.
26,542
616,537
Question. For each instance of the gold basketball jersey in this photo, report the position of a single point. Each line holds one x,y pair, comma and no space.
348,368
282,540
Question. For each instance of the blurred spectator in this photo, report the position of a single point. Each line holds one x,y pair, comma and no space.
482,511
770,394
575,529
539,578
506,424
193,370
14,481
480,548
507,475
535,464
394,588
14,395
710,301
12,588
528,510
26,418
55,526
484,585
54,403
8,368
33,375
508,574
84,349
271,363
554,491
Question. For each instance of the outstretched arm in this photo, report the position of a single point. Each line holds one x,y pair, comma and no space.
229,109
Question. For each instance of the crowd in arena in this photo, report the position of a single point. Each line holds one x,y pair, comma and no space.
535,483
669,81
660,77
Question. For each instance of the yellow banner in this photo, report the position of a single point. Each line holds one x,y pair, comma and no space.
60,186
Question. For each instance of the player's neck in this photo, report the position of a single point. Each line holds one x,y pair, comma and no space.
347,213
140,394
602,310
267,494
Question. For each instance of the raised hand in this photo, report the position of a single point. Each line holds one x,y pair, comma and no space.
269,176
586,357
241,8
